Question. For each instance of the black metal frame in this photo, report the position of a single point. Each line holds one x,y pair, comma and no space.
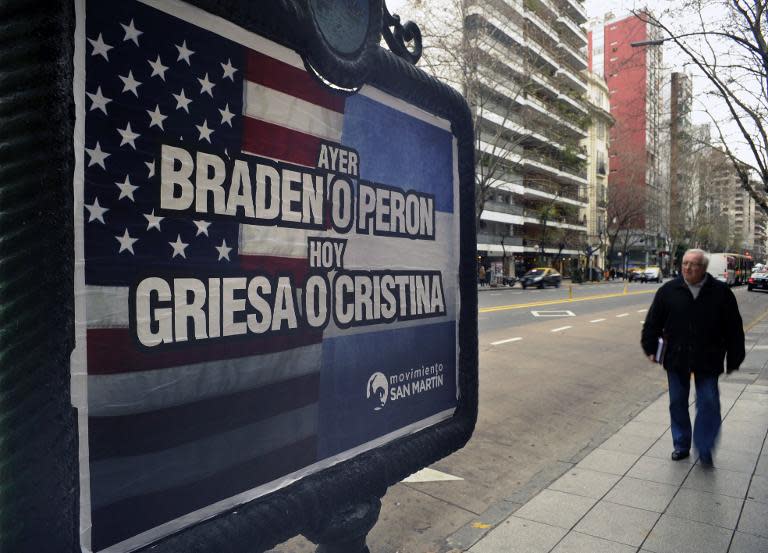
38,426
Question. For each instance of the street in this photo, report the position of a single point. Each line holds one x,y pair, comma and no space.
557,378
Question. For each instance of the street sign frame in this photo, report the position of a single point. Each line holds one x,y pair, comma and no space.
39,455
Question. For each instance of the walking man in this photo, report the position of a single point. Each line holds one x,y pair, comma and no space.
698,318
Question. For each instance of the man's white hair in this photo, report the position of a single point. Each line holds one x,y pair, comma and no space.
704,256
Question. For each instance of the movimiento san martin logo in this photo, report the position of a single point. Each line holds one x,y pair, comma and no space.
377,390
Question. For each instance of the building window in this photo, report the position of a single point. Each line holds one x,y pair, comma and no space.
600,162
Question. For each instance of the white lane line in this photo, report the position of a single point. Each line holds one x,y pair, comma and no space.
506,341
597,321
561,328
622,315
642,310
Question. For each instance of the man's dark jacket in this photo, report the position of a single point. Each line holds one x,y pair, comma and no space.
699,333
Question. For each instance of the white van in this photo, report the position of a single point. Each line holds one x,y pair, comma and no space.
722,266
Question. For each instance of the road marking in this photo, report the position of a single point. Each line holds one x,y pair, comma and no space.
642,310
597,321
506,341
560,313
565,300
561,328
495,294
431,475
622,315
760,347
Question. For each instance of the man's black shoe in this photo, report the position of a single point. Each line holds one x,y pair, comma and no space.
678,455
706,461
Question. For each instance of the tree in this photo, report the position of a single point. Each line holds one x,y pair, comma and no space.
729,47
626,208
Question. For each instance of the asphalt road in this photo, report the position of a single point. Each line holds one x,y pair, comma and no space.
557,378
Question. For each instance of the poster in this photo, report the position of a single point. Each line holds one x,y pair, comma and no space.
267,270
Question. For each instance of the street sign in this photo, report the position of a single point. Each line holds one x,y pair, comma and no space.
272,273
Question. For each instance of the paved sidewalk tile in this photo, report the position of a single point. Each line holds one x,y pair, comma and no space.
618,523
642,494
719,481
628,444
676,535
735,461
742,443
612,462
649,429
585,482
758,490
762,466
664,471
516,535
717,510
753,518
654,414
556,508
576,542
747,543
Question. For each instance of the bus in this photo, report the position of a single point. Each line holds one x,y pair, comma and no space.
732,268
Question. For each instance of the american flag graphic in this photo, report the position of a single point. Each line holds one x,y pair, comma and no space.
172,432
245,412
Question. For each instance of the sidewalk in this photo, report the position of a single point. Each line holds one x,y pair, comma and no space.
628,496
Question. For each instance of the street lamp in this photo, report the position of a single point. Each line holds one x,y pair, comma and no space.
656,42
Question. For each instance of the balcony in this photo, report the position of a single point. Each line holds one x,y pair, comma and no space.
543,27
571,80
546,6
503,207
492,242
572,103
543,54
523,130
576,58
550,168
493,17
564,195
575,10
539,107
535,245
572,31
532,218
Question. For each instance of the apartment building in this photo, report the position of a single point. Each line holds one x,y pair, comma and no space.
761,236
638,139
533,68
598,167
524,77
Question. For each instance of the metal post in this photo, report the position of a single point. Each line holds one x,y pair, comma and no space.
345,530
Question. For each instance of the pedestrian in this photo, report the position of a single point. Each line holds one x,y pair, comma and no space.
481,275
698,319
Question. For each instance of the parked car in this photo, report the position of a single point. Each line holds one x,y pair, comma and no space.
541,277
758,281
651,274
635,274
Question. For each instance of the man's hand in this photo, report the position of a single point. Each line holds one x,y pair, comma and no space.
652,358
